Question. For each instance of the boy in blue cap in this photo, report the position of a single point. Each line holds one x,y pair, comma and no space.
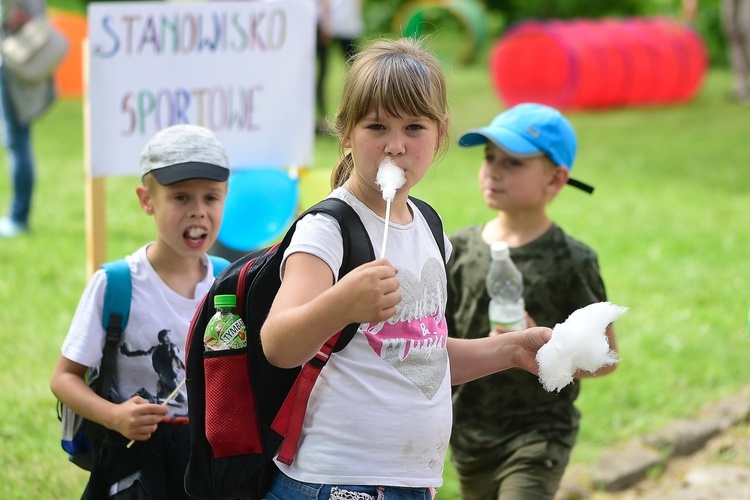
512,439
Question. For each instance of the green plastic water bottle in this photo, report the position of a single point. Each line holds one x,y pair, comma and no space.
225,329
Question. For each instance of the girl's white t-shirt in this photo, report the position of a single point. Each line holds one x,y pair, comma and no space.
380,412
150,359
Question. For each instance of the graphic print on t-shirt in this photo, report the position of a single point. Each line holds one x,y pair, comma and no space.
166,362
414,340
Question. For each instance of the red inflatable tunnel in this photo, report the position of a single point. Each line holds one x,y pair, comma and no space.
584,64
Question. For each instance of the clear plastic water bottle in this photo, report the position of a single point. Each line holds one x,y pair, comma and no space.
505,287
225,329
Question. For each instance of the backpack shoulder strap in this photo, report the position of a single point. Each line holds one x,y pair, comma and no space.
433,220
357,251
218,263
115,313
117,295
357,246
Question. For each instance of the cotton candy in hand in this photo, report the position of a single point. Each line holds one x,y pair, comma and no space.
579,343
390,177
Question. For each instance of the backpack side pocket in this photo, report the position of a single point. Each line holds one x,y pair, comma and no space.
231,421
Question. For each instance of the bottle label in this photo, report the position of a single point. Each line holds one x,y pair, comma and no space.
233,333
225,332
508,316
511,326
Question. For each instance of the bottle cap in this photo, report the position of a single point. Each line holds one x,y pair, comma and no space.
225,301
499,250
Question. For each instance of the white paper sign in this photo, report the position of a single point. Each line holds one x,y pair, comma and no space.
243,69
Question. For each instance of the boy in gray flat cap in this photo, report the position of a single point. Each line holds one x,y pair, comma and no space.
184,172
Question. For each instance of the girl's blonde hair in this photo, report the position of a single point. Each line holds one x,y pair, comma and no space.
389,76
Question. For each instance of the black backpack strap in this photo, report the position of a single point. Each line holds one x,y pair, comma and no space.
115,313
357,247
357,251
434,221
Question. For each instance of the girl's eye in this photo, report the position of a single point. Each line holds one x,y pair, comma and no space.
375,126
415,126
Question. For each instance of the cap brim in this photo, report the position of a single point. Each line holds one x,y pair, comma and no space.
514,145
190,170
505,139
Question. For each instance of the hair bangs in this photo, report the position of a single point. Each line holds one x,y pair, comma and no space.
403,85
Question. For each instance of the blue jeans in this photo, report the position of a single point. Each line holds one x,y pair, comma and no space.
285,488
17,139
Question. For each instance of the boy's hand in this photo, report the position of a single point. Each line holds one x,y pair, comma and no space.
370,292
137,419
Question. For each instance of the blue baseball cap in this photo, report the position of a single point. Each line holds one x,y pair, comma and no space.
528,130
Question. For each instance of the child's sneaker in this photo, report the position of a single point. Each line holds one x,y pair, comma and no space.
10,228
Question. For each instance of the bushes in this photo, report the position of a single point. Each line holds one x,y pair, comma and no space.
708,23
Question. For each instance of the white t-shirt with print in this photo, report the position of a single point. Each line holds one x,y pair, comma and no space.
380,413
150,359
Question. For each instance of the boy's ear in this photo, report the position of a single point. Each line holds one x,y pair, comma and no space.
144,197
559,179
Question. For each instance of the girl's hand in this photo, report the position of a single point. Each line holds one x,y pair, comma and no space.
474,358
309,307
528,343
370,292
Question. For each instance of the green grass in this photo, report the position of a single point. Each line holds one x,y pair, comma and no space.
668,220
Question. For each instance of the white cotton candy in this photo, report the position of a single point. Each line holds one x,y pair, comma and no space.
579,343
390,177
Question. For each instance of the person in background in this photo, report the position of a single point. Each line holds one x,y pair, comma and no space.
511,438
343,21
735,21
21,103
184,172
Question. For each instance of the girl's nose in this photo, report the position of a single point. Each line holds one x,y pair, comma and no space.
395,145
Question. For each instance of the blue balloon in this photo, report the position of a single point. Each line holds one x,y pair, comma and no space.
259,207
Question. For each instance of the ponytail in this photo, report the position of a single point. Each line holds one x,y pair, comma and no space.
342,171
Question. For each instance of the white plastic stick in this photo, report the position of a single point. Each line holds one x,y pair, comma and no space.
387,223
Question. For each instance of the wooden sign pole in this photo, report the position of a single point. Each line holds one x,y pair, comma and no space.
96,224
